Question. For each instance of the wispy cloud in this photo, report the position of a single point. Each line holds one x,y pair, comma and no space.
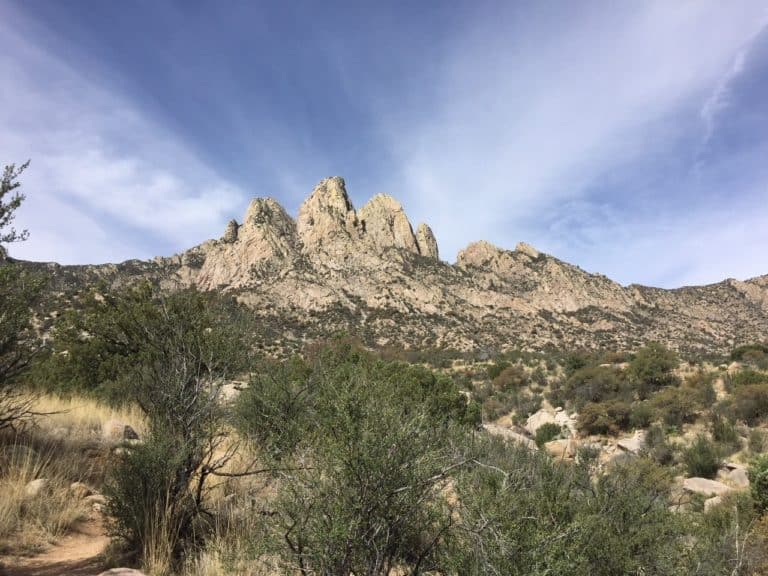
534,112
106,183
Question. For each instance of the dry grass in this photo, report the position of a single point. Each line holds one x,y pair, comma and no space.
28,523
62,447
83,417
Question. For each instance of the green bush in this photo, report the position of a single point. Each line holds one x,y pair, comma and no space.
547,432
724,433
746,377
604,418
758,482
643,415
511,377
657,447
676,406
702,458
757,441
593,384
651,369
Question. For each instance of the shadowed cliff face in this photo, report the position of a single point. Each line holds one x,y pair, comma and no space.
367,272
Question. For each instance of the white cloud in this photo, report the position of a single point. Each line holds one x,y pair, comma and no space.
105,183
530,111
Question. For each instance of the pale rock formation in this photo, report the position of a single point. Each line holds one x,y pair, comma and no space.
510,435
527,249
634,443
705,486
35,487
538,419
122,572
426,241
562,448
327,215
80,490
385,224
713,502
230,232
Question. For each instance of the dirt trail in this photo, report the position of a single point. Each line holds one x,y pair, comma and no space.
77,554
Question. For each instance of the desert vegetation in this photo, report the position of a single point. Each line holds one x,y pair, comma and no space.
155,416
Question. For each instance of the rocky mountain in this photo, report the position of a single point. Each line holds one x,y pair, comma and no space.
368,273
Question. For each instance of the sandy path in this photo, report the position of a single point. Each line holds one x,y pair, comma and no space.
77,554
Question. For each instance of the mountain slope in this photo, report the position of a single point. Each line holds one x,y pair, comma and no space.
367,272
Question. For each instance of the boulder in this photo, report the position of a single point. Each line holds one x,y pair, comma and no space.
705,486
738,478
527,249
510,435
96,501
80,490
116,431
713,502
230,232
634,443
538,419
562,449
36,487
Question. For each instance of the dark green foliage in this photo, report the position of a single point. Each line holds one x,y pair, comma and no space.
675,405
657,447
497,368
547,432
725,434
379,436
604,418
509,378
702,458
758,482
593,384
643,414
746,377
757,441
756,354
701,386
651,369
9,204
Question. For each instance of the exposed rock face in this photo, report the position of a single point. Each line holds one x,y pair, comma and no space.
705,486
365,273
426,242
385,224
230,232
327,215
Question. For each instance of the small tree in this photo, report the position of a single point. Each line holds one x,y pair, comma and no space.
19,291
652,369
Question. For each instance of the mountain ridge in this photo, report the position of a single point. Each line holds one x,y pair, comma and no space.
367,272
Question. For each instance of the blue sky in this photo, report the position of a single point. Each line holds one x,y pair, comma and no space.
630,138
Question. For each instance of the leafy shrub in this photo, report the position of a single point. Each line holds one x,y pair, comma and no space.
701,385
676,406
702,458
750,402
746,377
547,432
751,354
643,414
497,368
724,433
604,418
758,482
592,384
657,447
757,441
651,369
509,378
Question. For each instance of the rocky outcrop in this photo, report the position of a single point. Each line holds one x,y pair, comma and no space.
367,273
385,224
327,216
426,242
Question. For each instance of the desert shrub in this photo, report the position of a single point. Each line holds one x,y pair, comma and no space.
755,354
604,418
745,377
643,414
657,447
652,369
757,441
750,402
725,434
547,432
592,384
497,368
701,385
523,514
702,458
758,482
509,378
676,406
